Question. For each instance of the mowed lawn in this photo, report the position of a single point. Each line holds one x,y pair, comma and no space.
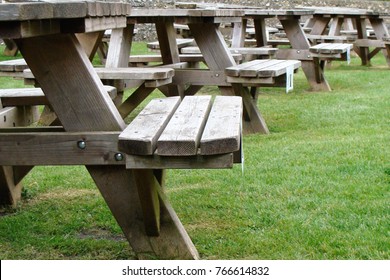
316,187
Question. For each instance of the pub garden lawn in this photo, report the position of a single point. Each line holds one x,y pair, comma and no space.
316,187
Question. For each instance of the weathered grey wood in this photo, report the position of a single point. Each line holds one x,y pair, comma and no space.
83,89
18,116
169,51
90,42
262,68
10,191
15,65
118,52
314,74
182,134
148,194
134,100
140,136
180,162
222,133
181,43
59,148
234,71
217,56
10,48
199,77
33,96
135,73
330,48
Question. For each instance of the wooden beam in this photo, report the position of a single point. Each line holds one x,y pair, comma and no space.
59,148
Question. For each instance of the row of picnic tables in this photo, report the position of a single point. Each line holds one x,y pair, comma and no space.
57,40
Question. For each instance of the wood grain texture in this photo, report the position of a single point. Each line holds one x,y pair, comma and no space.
222,133
183,132
59,148
141,135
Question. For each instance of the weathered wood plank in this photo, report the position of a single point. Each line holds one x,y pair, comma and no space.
59,148
140,136
278,68
14,65
33,96
234,71
222,133
135,73
18,116
180,162
182,135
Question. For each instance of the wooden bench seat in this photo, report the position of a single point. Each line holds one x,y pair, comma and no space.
192,133
250,50
33,96
181,43
152,76
331,39
332,51
145,59
13,68
263,72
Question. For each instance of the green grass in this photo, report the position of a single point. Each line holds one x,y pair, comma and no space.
316,187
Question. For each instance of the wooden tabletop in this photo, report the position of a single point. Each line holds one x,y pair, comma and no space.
185,15
337,11
29,19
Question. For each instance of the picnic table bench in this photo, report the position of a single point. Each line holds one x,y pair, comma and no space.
269,72
331,51
13,68
191,133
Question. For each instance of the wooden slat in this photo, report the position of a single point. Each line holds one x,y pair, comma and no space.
234,71
182,135
18,116
181,43
330,48
135,73
222,133
33,96
130,73
253,71
140,136
179,162
278,69
14,65
59,148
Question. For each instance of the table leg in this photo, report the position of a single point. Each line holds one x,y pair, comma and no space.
363,52
80,101
261,35
314,74
320,25
10,191
118,56
90,42
217,56
169,52
238,36
381,31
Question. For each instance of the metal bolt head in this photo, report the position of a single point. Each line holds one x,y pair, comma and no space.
118,157
81,144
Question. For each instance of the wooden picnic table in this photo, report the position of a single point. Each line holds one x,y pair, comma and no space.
300,45
334,20
91,124
203,24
